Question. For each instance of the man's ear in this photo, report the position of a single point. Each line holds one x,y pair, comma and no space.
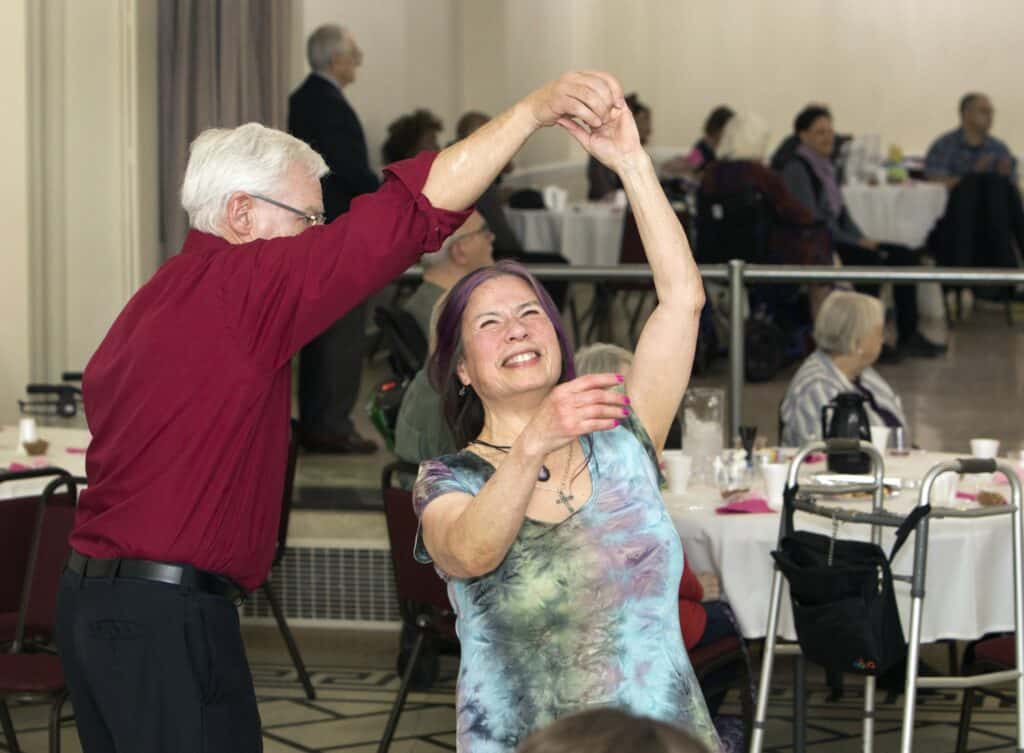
456,252
240,216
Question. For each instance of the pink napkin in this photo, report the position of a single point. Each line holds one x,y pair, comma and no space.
77,450
967,495
815,457
744,504
40,463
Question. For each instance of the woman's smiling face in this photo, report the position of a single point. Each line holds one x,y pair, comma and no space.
509,345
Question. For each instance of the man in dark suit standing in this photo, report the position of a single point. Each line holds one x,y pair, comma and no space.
330,366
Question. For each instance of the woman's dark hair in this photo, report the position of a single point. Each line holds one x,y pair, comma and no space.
469,122
608,730
464,414
404,135
635,105
806,117
716,120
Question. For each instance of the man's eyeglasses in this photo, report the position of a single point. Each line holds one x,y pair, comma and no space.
311,219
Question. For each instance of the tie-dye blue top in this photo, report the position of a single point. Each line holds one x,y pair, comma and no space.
580,613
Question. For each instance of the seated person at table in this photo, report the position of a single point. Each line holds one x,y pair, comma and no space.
848,333
703,152
411,134
703,618
984,215
467,249
811,177
420,430
553,496
602,181
608,730
795,236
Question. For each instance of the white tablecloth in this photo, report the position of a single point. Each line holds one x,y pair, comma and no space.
969,564
902,213
586,234
66,451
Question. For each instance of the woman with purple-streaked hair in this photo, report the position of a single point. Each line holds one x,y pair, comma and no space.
548,523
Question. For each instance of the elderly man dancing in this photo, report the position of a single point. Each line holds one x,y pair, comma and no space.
188,403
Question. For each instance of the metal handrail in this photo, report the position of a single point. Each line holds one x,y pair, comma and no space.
738,273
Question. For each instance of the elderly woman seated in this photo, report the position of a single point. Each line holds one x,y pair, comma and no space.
792,235
848,333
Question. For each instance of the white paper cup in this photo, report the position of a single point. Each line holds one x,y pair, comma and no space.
880,438
944,488
27,430
985,448
677,468
774,483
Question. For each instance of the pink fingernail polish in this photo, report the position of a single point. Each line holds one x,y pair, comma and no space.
616,422
628,401
625,411
620,377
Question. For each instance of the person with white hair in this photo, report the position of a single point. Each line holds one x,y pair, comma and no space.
330,366
467,249
189,395
792,235
848,333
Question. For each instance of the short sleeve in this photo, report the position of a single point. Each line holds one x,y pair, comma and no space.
435,479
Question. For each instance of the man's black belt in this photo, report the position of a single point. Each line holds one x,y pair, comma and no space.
159,572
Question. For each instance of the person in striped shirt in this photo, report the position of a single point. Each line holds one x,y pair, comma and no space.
848,333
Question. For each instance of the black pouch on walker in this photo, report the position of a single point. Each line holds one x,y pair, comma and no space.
844,607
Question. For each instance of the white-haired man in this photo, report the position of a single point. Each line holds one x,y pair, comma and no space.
188,398
330,366
468,248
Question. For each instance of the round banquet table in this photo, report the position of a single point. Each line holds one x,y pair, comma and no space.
903,213
969,565
66,450
587,234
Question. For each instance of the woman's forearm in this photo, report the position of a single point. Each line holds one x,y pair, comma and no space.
676,276
478,540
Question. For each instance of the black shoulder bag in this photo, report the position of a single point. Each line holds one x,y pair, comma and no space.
844,607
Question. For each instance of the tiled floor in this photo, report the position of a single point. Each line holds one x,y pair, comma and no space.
355,682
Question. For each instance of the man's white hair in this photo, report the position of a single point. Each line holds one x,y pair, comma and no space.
250,158
324,43
745,137
846,318
444,254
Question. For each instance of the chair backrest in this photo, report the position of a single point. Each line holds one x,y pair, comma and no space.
417,584
46,532
732,226
632,250
406,342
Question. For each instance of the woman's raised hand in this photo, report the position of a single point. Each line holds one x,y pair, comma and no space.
581,406
614,143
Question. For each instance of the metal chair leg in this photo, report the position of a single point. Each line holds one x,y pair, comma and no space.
767,658
8,727
966,711
403,691
289,641
58,704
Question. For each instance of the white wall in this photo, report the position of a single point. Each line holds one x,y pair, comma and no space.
894,67
411,59
78,192
15,307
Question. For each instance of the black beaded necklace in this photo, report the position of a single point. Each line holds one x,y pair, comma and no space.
544,473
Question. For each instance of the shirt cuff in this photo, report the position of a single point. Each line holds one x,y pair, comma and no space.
412,174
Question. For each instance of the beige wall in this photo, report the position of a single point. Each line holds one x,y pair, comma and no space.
79,190
894,67
15,303
411,58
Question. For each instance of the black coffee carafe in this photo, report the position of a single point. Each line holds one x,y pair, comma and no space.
846,418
